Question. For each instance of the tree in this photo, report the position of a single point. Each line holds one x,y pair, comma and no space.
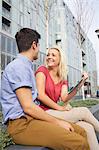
46,7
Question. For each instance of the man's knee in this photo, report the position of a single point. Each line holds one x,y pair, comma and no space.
78,129
84,144
71,141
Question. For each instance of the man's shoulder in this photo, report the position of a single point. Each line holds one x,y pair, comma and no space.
14,67
15,64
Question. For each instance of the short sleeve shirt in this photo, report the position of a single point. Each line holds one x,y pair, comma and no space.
18,73
52,90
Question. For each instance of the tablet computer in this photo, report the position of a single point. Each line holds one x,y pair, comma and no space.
75,86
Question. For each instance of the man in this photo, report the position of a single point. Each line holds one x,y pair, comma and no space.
26,122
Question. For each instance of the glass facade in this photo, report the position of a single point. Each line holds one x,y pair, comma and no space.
8,50
79,59
15,15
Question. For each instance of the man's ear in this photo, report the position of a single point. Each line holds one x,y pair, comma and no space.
33,45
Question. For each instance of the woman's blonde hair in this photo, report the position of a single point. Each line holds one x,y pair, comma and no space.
62,72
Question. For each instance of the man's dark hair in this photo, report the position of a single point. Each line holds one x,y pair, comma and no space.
25,38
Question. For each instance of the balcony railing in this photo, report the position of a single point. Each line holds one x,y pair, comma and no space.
6,28
8,1
6,13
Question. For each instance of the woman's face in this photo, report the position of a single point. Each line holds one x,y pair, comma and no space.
53,58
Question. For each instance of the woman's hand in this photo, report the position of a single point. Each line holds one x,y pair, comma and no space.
85,76
68,107
61,108
65,108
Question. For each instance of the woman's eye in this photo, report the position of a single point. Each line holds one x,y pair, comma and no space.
53,55
50,55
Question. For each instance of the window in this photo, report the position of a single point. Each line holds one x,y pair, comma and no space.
6,13
2,61
6,25
58,28
6,21
21,5
6,5
8,59
34,67
9,45
21,19
82,38
14,50
58,42
58,14
3,43
13,58
9,1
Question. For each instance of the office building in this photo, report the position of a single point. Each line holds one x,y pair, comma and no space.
79,58
57,25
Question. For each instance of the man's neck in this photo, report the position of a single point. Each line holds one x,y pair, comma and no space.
28,55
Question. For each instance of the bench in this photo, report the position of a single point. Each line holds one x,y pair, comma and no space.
21,147
95,112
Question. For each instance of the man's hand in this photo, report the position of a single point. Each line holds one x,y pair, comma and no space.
65,125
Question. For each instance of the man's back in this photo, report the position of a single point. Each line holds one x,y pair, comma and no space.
17,74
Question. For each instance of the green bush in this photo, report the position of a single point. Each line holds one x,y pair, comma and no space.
84,103
5,139
81,103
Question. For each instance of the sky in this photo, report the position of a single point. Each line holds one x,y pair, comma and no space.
94,5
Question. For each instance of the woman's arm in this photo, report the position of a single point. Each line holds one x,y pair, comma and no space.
40,81
65,97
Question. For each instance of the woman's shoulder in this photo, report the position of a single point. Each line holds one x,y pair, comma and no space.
42,69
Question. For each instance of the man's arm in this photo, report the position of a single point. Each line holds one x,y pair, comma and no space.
24,96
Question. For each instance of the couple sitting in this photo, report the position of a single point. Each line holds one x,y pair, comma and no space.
44,123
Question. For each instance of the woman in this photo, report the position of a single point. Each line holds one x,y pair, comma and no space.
52,87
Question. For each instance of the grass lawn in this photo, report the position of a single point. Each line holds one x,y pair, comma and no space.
86,103
5,140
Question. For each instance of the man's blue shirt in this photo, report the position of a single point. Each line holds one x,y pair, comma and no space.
18,73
